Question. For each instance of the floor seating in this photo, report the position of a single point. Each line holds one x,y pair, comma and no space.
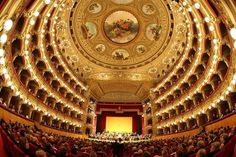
11,147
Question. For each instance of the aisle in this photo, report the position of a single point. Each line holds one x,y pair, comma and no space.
3,153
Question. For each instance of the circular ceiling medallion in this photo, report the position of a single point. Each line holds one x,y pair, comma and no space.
89,30
152,70
141,49
120,54
153,32
121,27
100,48
148,9
95,8
118,37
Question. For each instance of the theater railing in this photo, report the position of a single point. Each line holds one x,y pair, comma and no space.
227,120
9,115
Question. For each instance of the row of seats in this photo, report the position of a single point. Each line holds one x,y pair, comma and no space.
23,141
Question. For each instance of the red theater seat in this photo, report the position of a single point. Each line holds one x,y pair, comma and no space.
228,149
81,154
11,147
235,150
18,152
33,148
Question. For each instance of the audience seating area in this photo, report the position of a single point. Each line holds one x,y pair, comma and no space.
22,141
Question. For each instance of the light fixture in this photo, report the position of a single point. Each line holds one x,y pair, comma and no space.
36,13
207,19
197,5
211,28
2,52
2,61
233,33
47,1
230,88
4,71
8,24
215,41
3,38
27,36
32,22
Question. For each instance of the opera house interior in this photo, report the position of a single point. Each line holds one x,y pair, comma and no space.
117,78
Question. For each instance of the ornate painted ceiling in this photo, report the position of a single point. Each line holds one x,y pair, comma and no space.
121,47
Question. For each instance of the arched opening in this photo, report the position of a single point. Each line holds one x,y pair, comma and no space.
33,86
191,54
18,63
182,126
41,94
50,51
36,53
66,77
48,76
167,85
222,68
208,90
20,24
173,79
50,101
55,84
41,66
226,51
60,69
14,103
24,76
62,91
192,80
69,96
36,116
198,98
216,80
16,47
55,61
180,72
223,30
224,108
184,87
205,58
34,39
177,93
200,70
213,114
208,44
186,64
202,119
25,110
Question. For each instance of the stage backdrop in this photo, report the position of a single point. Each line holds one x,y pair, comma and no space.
119,124
136,120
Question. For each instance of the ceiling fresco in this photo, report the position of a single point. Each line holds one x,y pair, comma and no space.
121,40
120,36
